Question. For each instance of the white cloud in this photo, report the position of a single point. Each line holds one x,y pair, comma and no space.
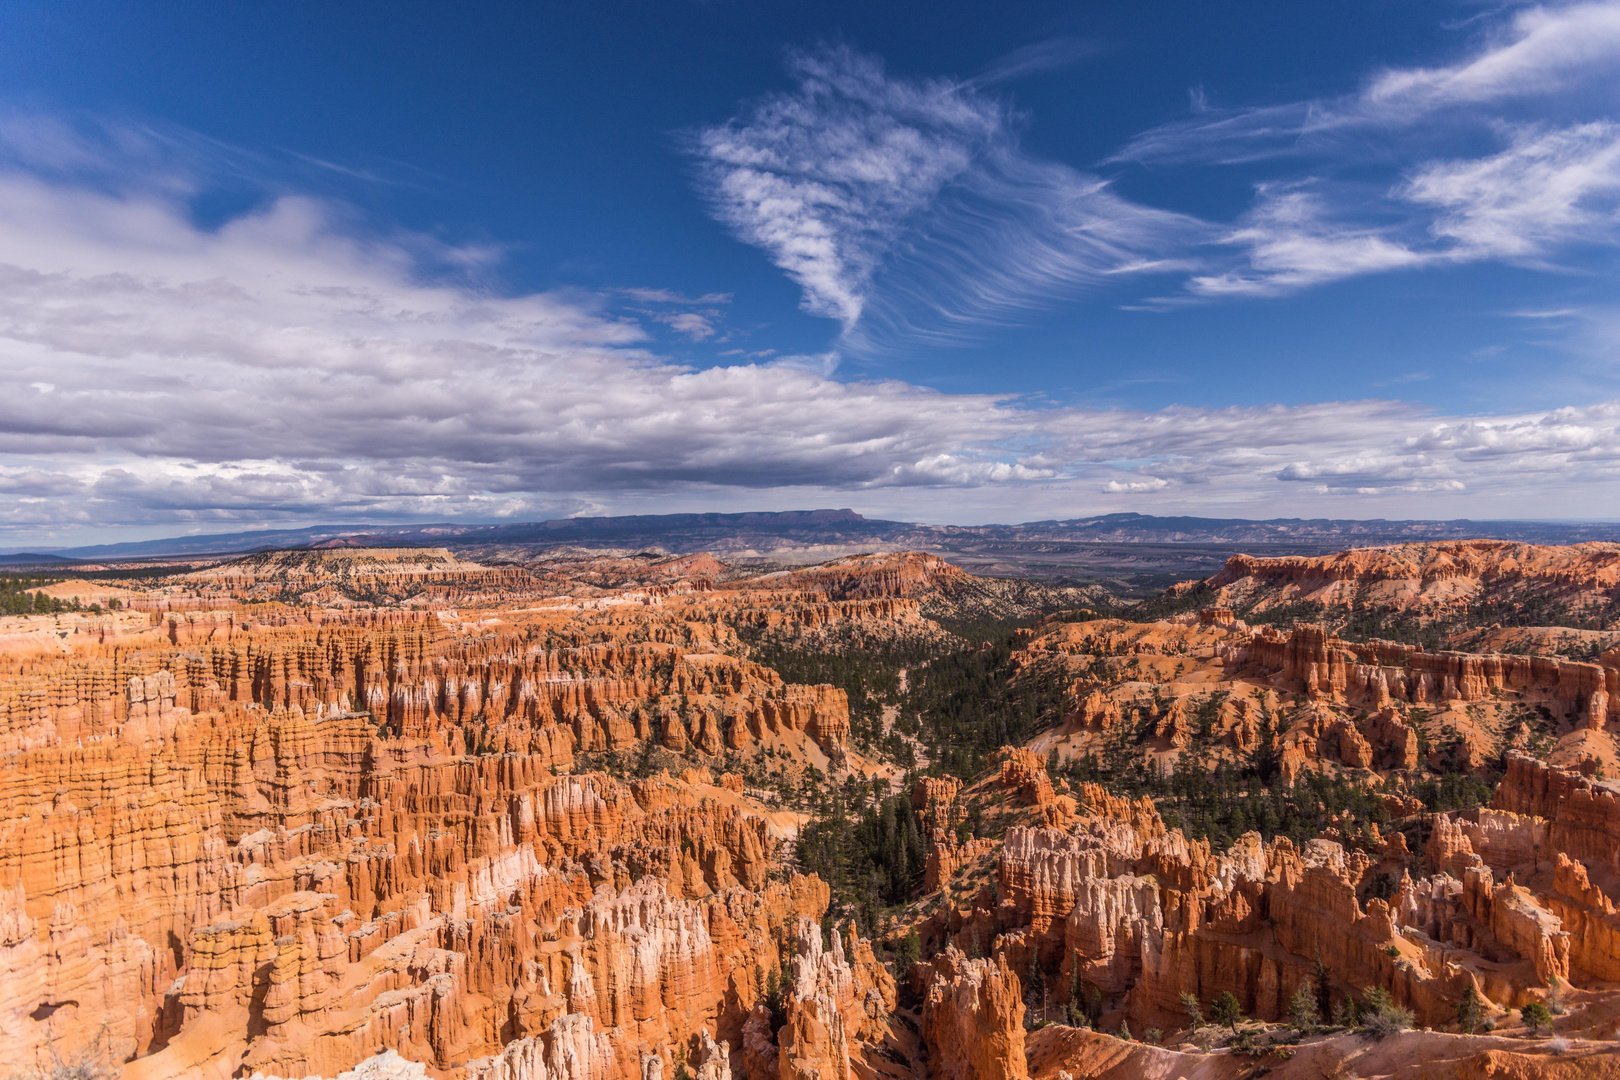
824,178
1135,487
1292,243
907,207
278,365
282,368
669,296
907,210
693,325
1552,188
1588,433
1541,51
1547,188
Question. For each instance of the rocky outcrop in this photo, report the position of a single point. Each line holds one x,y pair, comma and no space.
1582,814
839,995
355,573
1425,576
295,843
973,1020
1121,906
1313,661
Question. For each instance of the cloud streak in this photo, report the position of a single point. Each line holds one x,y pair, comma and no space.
907,210
1548,188
1539,53
1549,191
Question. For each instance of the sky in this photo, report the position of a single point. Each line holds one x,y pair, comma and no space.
280,265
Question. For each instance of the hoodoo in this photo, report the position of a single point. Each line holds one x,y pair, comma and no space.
613,818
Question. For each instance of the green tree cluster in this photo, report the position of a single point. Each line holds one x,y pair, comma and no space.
20,595
871,855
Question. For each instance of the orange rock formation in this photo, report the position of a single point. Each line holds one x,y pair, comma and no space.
285,840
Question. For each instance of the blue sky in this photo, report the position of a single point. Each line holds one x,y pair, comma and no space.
300,263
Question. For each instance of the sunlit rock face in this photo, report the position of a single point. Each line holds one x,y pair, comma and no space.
241,838
414,836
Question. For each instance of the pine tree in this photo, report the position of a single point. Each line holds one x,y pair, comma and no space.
1471,1009
1302,1009
1073,1009
909,952
776,998
1035,983
1227,1009
1267,761
1322,980
1194,1011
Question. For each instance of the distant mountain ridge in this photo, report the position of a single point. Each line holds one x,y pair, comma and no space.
768,531
627,530
1128,528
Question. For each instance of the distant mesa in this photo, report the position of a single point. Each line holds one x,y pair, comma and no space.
845,530
27,558
351,542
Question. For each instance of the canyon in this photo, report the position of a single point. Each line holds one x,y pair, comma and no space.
394,812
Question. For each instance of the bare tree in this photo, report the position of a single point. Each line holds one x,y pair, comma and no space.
92,1061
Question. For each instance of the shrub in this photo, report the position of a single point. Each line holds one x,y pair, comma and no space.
1555,996
1382,1023
1380,1016
1535,1016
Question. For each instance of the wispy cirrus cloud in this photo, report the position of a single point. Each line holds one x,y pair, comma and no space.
1539,84
1293,240
1548,188
1550,191
908,211
1541,50
1048,55
1537,53
907,207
